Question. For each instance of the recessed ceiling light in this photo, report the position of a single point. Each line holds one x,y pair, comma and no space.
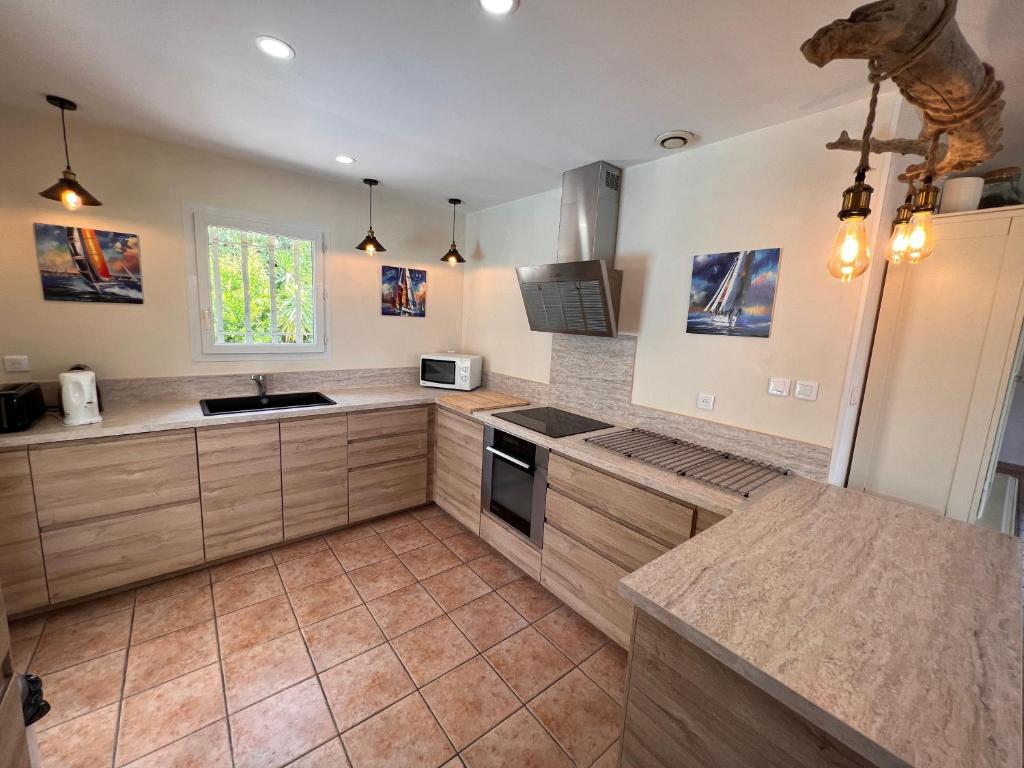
499,7
675,139
277,49
345,159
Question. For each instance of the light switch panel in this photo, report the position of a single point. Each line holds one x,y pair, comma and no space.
778,386
806,390
706,401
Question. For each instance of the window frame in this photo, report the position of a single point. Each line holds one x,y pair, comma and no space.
198,218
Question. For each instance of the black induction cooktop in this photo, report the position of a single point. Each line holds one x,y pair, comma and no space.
552,421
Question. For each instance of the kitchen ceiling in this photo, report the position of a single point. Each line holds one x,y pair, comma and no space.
435,97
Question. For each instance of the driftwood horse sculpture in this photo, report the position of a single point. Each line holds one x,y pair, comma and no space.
919,44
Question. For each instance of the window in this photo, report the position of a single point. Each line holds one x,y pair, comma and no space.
259,285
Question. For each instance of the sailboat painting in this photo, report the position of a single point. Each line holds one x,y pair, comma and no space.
80,264
733,294
403,292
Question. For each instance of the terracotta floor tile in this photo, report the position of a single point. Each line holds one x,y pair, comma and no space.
468,546
529,598
469,701
255,624
91,609
428,512
404,609
323,599
23,629
83,688
309,569
168,614
488,620
408,537
85,742
455,762
495,570
282,728
298,549
169,656
607,668
518,741
433,649
405,734
528,662
240,566
208,748
173,586
90,639
265,669
575,636
444,526
161,715
356,554
248,589
330,755
380,578
341,637
426,561
455,587
393,521
583,719
352,533
365,685
610,759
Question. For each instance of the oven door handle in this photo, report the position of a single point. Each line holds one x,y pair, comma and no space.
506,457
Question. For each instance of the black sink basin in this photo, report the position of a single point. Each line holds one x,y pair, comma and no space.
219,405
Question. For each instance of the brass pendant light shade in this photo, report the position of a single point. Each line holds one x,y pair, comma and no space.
67,191
370,243
453,256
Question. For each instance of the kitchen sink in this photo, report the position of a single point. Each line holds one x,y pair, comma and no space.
220,405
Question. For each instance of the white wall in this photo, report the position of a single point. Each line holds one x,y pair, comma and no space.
143,183
774,187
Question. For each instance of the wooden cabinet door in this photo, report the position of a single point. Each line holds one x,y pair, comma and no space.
458,465
13,742
314,474
385,488
22,577
240,484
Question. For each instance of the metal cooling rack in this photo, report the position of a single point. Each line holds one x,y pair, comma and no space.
718,468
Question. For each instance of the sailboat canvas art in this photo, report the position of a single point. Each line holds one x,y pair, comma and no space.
403,292
82,264
733,294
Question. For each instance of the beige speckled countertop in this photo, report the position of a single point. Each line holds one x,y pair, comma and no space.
896,631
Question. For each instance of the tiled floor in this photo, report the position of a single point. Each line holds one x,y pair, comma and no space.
408,636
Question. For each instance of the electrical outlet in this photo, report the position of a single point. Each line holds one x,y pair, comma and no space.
806,390
706,401
15,363
778,386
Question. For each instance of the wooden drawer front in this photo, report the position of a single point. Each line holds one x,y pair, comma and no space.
376,491
458,454
512,546
381,450
620,544
125,474
667,522
240,480
22,577
587,583
17,505
314,475
466,435
103,554
13,742
394,421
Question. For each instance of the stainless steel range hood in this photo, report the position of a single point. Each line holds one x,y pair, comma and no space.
580,293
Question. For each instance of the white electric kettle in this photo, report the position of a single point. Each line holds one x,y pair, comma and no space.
78,398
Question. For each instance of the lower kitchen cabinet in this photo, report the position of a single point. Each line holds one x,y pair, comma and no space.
240,486
113,552
13,742
22,578
512,545
385,488
458,466
314,474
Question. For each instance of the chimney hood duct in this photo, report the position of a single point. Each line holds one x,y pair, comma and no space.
580,293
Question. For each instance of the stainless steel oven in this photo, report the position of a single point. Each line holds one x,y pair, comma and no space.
515,482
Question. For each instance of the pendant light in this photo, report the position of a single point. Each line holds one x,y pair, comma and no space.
899,241
453,256
67,191
922,233
370,244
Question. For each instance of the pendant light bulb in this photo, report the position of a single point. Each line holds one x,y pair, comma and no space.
453,256
921,236
851,255
899,242
71,200
370,244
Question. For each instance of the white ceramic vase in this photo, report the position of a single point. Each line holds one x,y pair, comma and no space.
962,194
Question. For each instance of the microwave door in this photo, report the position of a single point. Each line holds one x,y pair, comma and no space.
438,372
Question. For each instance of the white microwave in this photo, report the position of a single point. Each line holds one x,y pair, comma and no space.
451,371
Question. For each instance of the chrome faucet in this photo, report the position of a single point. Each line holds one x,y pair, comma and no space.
261,383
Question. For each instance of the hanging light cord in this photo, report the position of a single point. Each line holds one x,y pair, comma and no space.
64,130
453,223
869,126
371,206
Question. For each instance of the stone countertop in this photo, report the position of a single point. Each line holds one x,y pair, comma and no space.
896,631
